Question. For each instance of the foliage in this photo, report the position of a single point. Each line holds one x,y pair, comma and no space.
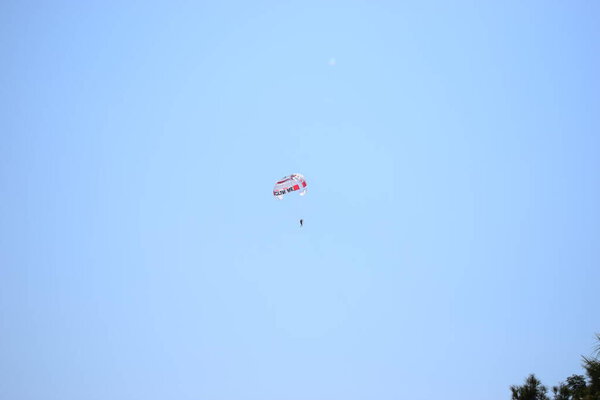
573,389
592,369
576,387
532,389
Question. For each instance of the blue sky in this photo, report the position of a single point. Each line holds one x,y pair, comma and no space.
452,230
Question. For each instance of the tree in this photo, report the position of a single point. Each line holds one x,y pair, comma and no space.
592,369
561,392
573,389
532,389
576,387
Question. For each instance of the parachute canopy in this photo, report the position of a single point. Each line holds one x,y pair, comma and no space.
290,184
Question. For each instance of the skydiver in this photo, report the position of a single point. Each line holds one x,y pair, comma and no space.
301,222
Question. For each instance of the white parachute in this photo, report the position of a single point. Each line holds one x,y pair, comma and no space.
288,184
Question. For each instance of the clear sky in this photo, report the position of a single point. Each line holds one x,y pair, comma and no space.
451,242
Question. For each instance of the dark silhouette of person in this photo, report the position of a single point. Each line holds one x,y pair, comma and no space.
301,222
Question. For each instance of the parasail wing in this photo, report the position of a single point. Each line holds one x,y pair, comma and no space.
288,184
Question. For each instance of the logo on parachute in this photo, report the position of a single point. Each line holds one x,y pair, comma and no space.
284,191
